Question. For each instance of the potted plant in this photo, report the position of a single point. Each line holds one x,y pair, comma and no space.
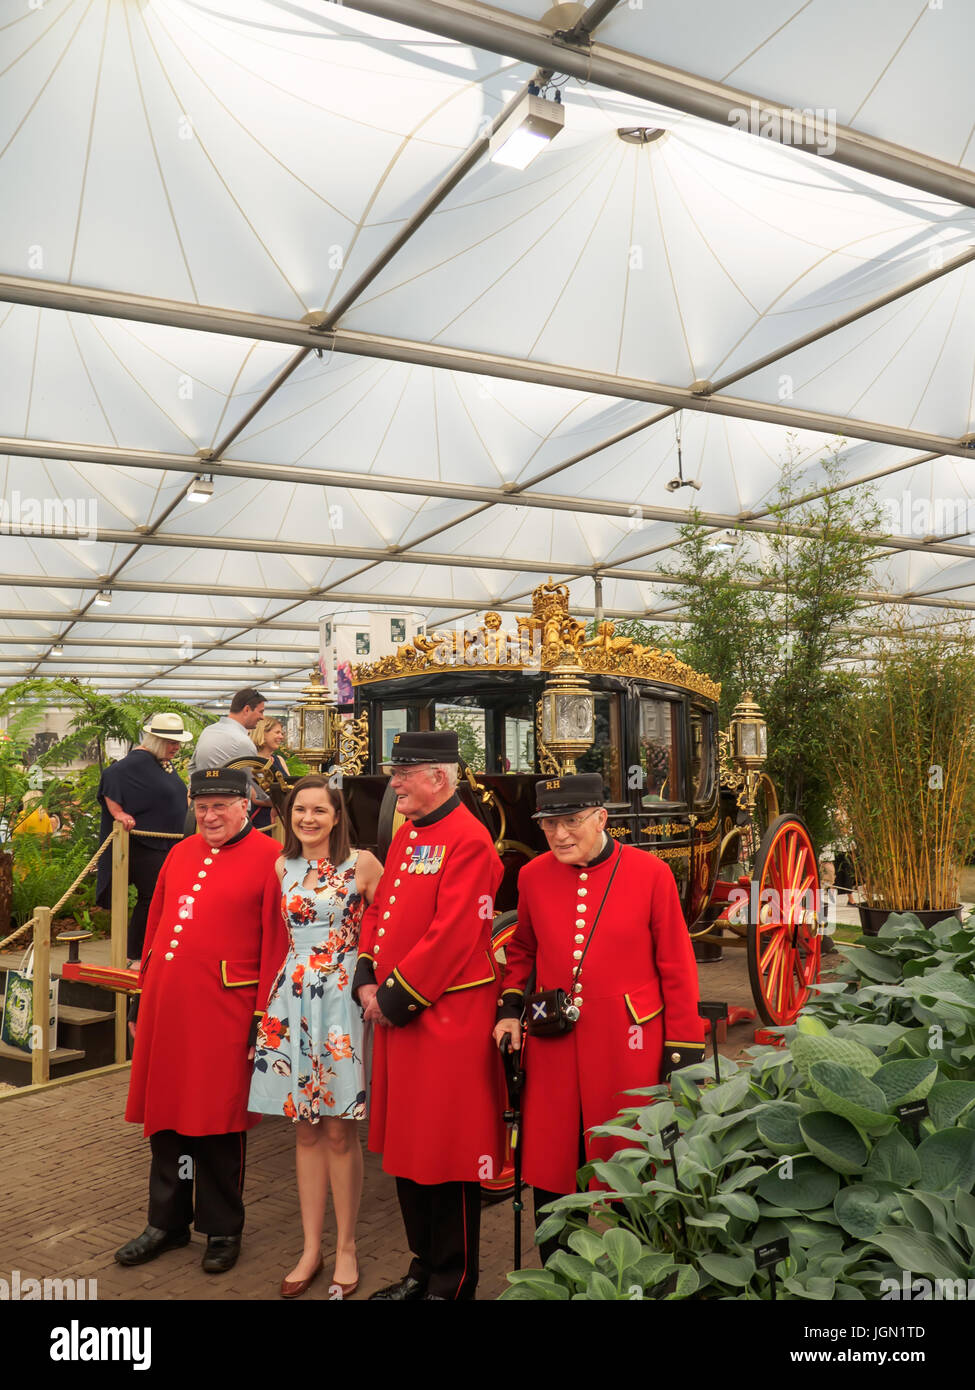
904,773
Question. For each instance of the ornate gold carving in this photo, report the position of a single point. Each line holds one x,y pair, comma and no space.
537,644
548,763
353,745
672,851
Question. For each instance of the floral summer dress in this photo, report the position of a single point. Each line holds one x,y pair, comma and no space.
308,1061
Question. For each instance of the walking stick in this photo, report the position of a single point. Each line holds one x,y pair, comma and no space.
514,1077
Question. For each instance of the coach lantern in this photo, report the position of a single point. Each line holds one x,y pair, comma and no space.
311,722
567,713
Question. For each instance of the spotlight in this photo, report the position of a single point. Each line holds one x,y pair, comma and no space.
57,649
201,488
103,598
676,483
531,126
723,540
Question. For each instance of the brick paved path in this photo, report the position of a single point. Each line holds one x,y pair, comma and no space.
75,1188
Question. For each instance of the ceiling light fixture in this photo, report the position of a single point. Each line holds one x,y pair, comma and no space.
532,125
57,649
723,540
201,488
103,598
680,481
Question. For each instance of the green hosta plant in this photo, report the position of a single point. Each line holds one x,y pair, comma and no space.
805,1142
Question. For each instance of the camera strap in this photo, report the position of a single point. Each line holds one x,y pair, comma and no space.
599,911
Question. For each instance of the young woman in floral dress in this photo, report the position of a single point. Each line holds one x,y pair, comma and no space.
308,1064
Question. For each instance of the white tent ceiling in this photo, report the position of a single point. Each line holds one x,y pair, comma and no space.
264,239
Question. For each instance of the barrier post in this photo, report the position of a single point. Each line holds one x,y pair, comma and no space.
40,1033
120,926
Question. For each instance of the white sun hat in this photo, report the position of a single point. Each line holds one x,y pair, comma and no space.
167,726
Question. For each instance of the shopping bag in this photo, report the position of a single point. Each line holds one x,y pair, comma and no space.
17,1021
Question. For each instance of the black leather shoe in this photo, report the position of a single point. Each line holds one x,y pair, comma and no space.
433,1298
221,1254
406,1290
153,1241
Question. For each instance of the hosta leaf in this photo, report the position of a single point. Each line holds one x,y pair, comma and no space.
717,1219
601,1289
809,1024
870,1034
688,1282
808,1049
948,1160
740,1204
728,1096
622,1247
910,1079
618,1176
587,1244
736,1270
812,1185
833,1139
948,1100
894,1160
883,968
848,1093
656,1117
572,1267
862,1209
778,1127
920,1252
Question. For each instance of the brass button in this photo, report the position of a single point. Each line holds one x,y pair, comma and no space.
582,907
208,861
578,1000
381,932
577,955
174,942
385,915
583,877
412,834
583,892
202,873
412,1008
375,950
392,899
196,888
177,928
169,955
579,939
500,1002
580,921
402,866
395,885
390,982
675,1056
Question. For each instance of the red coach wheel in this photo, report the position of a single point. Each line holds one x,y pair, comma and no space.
783,939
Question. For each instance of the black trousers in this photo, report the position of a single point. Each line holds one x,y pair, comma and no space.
443,1228
146,859
215,1163
540,1198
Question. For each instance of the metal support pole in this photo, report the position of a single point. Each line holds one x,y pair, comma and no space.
598,602
120,926
41,1041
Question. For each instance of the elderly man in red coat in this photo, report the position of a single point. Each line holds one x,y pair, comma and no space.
426,976
602,922
215,939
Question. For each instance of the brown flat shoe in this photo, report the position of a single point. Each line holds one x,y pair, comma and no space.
347,1289
296,1287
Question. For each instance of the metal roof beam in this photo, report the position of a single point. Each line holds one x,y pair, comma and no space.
484,27
50,294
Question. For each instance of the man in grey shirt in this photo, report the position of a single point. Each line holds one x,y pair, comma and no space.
228,739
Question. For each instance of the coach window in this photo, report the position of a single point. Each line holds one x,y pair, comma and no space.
659,762
603,755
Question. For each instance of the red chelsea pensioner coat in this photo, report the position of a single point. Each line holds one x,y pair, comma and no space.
215,940
639,992
436,1107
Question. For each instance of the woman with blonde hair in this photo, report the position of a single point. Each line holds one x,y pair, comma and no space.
268,736
309,1060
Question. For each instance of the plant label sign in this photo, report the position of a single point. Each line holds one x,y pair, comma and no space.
771,1253
913,1112
669,1135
